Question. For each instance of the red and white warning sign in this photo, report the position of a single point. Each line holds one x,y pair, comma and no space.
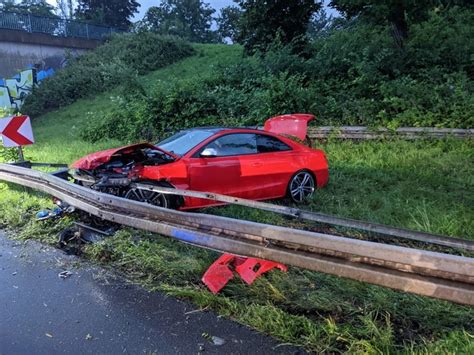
16,131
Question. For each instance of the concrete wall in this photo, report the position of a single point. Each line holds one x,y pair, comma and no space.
19,50
16,57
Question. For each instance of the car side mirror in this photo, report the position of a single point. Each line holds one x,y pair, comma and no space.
208,153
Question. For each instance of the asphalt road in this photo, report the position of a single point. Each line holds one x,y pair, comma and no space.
95,311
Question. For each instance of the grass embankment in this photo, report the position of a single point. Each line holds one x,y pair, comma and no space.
422,185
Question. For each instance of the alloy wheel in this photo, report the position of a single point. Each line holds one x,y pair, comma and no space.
301,186
151,197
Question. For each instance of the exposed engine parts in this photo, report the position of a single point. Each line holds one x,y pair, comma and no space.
117,175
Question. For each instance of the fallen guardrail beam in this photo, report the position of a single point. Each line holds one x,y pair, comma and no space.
367,133
381,229
422,272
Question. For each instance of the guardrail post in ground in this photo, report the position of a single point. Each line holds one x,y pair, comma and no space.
21,156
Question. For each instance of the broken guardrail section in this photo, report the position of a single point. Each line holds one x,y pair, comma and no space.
422,272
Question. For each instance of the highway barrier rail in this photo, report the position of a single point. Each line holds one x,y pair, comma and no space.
382,230
367,133
423,272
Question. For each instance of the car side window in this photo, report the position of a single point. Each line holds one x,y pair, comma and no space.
266,144
234,144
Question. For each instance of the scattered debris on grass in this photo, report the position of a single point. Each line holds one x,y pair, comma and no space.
249,269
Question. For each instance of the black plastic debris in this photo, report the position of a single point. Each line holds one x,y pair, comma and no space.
72,239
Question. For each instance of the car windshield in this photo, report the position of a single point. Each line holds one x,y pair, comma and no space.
183,141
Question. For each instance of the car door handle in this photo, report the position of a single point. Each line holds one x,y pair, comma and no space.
256,164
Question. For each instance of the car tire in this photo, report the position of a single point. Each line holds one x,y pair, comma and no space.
152,197
301,186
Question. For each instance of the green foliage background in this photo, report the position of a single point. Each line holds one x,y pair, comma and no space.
356,76
119,61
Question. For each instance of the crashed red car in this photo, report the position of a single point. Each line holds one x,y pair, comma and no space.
241,162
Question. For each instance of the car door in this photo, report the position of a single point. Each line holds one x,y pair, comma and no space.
231,170
279,162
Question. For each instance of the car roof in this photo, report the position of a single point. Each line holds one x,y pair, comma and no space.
217,129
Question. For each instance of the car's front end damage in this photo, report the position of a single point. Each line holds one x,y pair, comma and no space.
114,171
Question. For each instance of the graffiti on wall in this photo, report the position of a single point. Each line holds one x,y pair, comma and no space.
13,91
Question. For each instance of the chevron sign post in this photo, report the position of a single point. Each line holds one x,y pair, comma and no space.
16,131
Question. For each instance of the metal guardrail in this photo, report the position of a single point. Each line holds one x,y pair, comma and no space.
53,26
367,133
380,229
422,272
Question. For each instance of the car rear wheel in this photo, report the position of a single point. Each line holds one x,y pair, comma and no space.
301,186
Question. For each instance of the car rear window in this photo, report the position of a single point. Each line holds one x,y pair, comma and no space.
266,144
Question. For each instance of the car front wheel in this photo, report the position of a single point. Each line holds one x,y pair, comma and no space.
301,186
151,197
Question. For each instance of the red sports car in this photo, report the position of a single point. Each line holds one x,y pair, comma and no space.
241,162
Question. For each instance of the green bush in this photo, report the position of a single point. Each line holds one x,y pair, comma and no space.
119,60
443,41
356,75
199,103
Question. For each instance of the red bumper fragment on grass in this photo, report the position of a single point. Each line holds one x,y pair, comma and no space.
249,269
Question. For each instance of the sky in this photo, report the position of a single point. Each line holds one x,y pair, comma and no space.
145,4
216,4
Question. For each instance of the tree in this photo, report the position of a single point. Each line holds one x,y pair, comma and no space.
228,23
320,24
33,7
115,13
190,19
397,13
65,8
265,20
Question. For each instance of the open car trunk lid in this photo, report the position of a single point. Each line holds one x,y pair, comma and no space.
295,125
96,159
